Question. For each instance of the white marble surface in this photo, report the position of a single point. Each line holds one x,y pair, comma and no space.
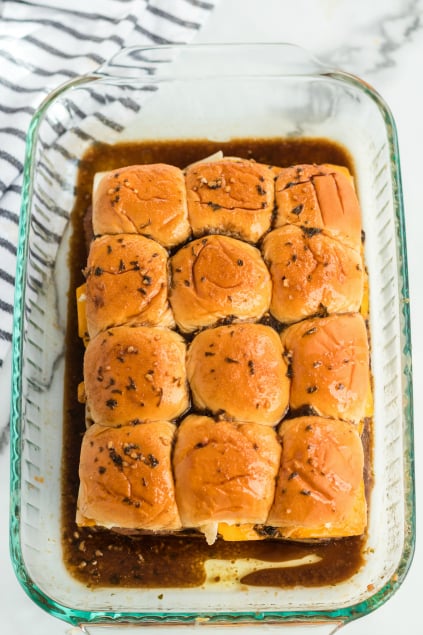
381,41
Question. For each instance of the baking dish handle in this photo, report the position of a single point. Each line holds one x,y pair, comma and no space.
153,64
327,627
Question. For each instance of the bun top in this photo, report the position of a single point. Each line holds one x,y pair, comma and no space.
224,471
126,283
230,196
311,273
143,199
329,365
320,478
239,372
218,277
135,374
319,197
126,477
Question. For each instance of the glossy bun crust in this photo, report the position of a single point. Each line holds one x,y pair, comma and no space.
320,487
311,273
217,277
230,196
329,365
127,283
126,479
135,374
224,471
322,197
239,372
143,199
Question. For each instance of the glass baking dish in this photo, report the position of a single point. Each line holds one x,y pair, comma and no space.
204,92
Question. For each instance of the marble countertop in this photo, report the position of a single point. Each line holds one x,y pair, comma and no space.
382,42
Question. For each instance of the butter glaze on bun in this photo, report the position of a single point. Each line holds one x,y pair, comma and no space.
134,374
320,487
143,199
224,472
218,277
319,197
127,283
239,372
232,196
126,479
311,273
329,365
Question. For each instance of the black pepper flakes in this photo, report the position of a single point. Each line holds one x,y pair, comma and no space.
101,469
152,461
305,492
297,210
239,262
292,475
111,403
98,271
147,280
131,385
116,458
214,206
251,368
209,354
311,389
230,360
260,190
121,265
311,231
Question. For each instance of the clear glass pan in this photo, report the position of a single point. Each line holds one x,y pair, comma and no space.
215,92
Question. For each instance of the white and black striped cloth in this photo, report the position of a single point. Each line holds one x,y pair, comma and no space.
42,45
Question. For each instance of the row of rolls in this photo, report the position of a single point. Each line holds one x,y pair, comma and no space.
219,303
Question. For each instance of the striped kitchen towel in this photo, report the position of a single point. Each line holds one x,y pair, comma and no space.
42,45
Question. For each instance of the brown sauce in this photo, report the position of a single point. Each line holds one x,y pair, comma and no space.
100,557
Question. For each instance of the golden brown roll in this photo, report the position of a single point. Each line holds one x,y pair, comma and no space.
239,372
224,472
319,197
311,273
320,487
143,199
218,277
230,196
127,283
329,365
134,374
126,479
